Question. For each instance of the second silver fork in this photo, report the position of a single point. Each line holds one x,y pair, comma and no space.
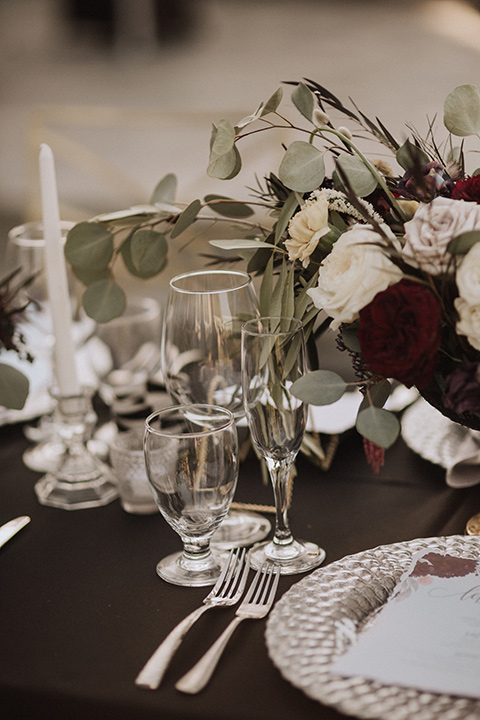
256,605
227,591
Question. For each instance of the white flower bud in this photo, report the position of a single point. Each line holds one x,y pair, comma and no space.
320,118
346,132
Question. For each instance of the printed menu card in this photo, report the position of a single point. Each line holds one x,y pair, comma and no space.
427,635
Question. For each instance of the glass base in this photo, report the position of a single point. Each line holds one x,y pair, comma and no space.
139,508
44,457
78,495
296,557
239,529
179,570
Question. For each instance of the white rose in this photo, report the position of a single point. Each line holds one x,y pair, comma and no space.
468,276
469,322
306,228
353,273
432,227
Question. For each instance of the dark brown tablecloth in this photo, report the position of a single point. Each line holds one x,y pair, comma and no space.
81,607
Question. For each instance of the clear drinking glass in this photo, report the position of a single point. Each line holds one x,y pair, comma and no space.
273,357
191,456
201,360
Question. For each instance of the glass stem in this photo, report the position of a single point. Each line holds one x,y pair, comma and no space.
279,474
195,550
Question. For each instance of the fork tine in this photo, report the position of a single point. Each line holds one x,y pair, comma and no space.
236,561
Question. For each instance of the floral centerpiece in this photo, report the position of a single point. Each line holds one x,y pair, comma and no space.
386,252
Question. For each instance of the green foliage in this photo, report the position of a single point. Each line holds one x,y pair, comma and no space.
104,300
461,244
89,244
379,426
14,387
320,387
302,168
462,111
360,178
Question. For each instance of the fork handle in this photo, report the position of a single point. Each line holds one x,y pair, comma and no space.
152,674
196,678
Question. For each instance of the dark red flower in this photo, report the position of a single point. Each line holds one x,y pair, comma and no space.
427,182
468,189
399,333
462,389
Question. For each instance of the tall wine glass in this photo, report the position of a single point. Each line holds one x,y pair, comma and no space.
191,457
273,357
201,360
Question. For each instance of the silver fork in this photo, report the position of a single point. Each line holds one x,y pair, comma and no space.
256,605
227,591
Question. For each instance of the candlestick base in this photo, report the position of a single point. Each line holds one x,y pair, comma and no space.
80,480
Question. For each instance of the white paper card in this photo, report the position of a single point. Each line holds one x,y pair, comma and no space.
427,636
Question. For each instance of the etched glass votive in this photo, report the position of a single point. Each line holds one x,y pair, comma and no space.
128,463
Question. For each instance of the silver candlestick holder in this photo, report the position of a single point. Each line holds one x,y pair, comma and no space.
80,479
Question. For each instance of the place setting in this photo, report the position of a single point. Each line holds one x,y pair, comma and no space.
229,367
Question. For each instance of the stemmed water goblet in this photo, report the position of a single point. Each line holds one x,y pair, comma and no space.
191,457
273,357
201,360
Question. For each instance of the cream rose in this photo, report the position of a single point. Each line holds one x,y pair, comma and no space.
306,228
468,276
353,273
432,227
469,321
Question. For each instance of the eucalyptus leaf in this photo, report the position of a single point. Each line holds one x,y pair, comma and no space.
461,112
166,190
104,300
379,426
134,211
148,250
350,338
410,156
319,387
14,387
302,168
223,156
461,244
88,275
361,180
240,244
228,207
272,103
304,100
377,395
187,217
87,244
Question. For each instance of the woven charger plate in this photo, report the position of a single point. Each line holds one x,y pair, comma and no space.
306,632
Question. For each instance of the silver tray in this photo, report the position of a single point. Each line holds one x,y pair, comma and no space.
316,620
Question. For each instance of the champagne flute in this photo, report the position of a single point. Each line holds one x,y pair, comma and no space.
201,361
191,457
273,357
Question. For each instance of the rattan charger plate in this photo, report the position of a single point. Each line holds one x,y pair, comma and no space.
308,629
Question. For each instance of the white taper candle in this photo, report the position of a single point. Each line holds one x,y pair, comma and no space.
64,350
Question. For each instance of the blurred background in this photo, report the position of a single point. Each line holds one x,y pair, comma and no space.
125,91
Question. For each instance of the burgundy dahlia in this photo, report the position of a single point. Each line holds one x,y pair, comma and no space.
399,333
468,189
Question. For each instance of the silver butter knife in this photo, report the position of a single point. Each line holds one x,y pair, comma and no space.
10,528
